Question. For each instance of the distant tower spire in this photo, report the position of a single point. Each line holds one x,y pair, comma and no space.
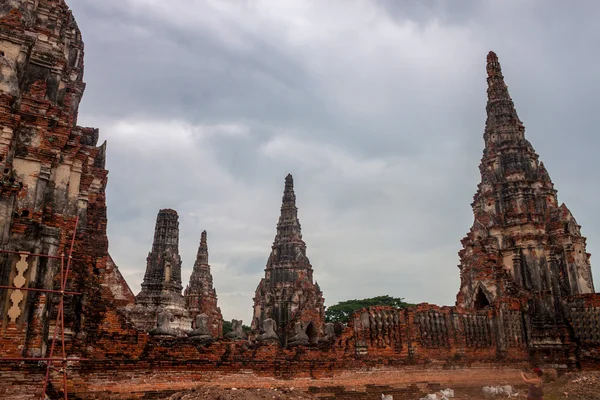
501,113
200,295
202,256
161,288
163,270
287,293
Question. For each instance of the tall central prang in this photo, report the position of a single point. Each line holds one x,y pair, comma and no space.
522,242
287,293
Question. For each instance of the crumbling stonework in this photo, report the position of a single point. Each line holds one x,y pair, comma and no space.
52,172
522,242
526,290
161,289
200,295
523,245
287,293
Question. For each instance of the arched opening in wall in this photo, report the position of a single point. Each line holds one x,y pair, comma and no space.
311,332
481,300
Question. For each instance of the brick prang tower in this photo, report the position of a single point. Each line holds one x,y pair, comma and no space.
161,288
522,243
287,293
200,295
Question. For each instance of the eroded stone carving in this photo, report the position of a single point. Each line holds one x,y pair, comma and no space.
163,324
268,329
328,332
237,331
202,332
300,338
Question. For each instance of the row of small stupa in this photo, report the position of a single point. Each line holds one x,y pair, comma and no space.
286,294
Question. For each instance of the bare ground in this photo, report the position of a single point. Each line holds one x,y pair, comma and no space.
240,394
575,386
571,386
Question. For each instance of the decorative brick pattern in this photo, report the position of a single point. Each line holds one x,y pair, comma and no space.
432,329
513,329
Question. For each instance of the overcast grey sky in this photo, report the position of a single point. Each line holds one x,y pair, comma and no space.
376,107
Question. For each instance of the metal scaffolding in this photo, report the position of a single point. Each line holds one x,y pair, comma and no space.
60,317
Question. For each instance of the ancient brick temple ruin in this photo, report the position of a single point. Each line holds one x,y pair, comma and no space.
287,293
160,308
52,173
522,242
200,295
526,294
161,289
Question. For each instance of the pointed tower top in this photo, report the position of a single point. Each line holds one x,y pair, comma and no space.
288,226
288,192
492,58
501,113
202,257
167,211
166,230
289,197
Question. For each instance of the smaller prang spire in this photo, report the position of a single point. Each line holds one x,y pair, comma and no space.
501,113
162,281
201,275
202,256
200,295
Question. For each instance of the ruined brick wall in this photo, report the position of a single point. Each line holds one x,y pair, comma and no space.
428,333
53,172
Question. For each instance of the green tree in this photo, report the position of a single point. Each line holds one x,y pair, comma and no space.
342,311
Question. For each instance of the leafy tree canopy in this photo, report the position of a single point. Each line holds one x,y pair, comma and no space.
342,311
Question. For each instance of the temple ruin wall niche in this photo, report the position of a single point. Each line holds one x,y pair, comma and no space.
9,81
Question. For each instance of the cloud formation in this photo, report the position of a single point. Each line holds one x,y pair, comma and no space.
376,107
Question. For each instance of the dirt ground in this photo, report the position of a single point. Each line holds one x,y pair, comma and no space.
575,386
240,394
467,386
